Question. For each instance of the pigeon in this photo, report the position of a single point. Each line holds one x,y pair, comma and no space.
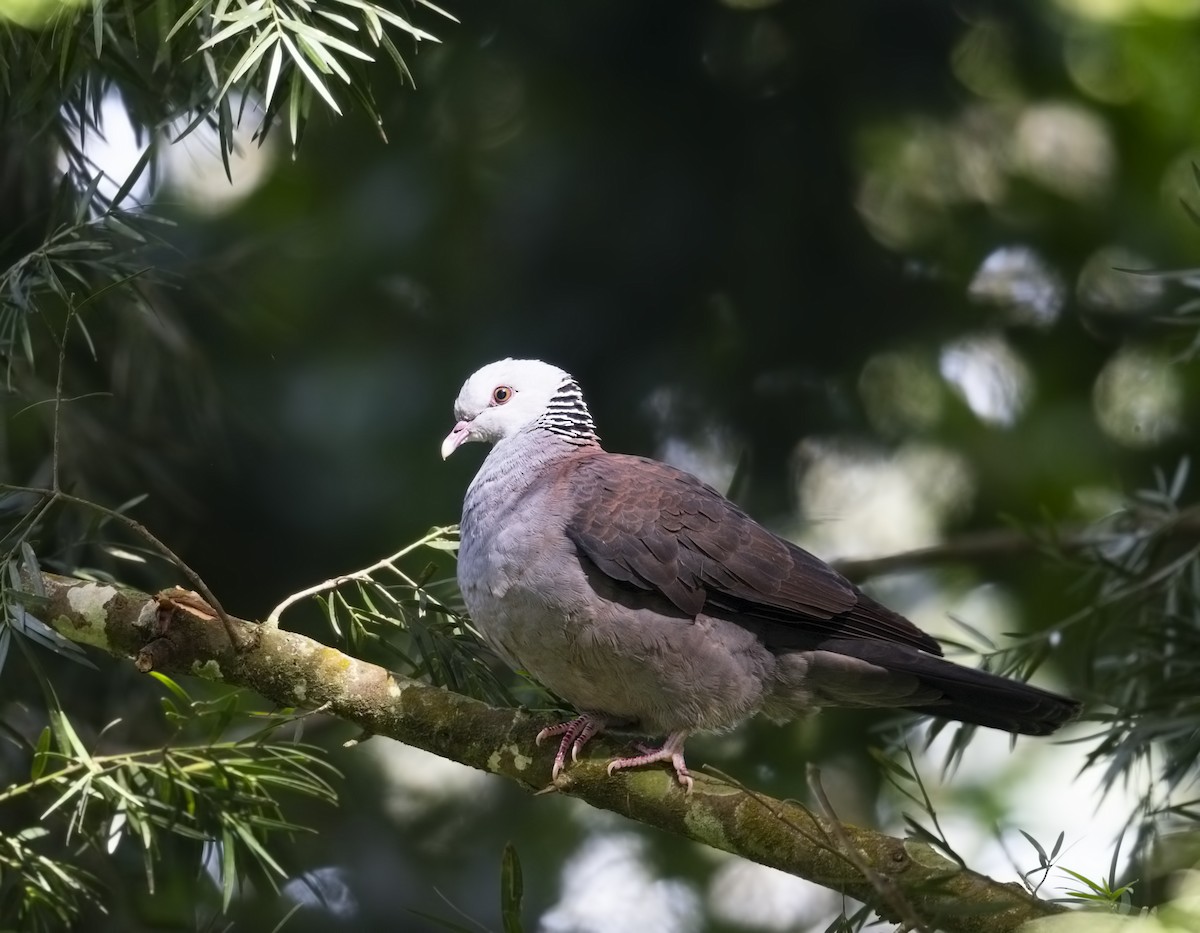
654,605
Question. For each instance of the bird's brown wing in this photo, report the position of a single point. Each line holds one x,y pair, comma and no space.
656,528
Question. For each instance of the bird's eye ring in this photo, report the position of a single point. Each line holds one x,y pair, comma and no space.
501,394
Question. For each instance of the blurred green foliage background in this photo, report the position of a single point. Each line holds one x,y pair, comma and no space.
864,264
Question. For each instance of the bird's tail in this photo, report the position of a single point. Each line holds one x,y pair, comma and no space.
965,693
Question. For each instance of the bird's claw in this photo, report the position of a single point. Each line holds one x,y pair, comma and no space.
671,750
551,731
575,734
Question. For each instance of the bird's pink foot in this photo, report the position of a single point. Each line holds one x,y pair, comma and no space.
671,750
575,735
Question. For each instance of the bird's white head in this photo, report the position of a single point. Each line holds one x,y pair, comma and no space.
509,396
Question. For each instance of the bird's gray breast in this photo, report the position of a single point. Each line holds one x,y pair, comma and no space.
518,576
544,610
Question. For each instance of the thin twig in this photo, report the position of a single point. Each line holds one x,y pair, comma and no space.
58,394
997,543
888,891
52,495
363,575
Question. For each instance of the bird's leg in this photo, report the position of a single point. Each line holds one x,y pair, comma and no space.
575,734
671,750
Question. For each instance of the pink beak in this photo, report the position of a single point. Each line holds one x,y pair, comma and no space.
455,438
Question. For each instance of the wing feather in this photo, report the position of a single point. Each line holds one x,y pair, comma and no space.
651,526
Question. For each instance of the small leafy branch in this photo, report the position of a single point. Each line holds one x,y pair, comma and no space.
223,793
1101,893
296,46
412,620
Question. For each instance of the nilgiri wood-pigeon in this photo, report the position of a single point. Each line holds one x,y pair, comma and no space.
653,604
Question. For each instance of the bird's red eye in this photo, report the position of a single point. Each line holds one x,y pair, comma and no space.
501,394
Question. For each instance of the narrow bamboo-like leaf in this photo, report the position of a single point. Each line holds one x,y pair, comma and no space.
342,21
98,26
388,16
132,178
85,199
401,67
189,15
228,867
278,928
511,890
324,38
320,56
273,76
315,52
1179,481
41,754
314,79
374,25
438,9
34,568
87,335
116,831
73,788
183,695
1042,857
241,24
225,133
257,848
294,109
251,57
119,226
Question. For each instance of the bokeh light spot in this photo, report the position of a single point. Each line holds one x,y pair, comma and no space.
607,885
34,14
1138,398
744,894
1106,282
1066,149
863,502
114,149
195,174
986,372
1019,280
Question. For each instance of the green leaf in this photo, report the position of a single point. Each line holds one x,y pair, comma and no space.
406,75
342,21
133,176
295,108
98,26
242,23
86,198
323,38
388,16
228,867
511,890
438,9
258,849
1042,857
314,80
189,15
41,753
251,57
183,695
273,76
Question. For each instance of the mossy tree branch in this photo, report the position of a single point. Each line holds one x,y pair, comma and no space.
175,632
